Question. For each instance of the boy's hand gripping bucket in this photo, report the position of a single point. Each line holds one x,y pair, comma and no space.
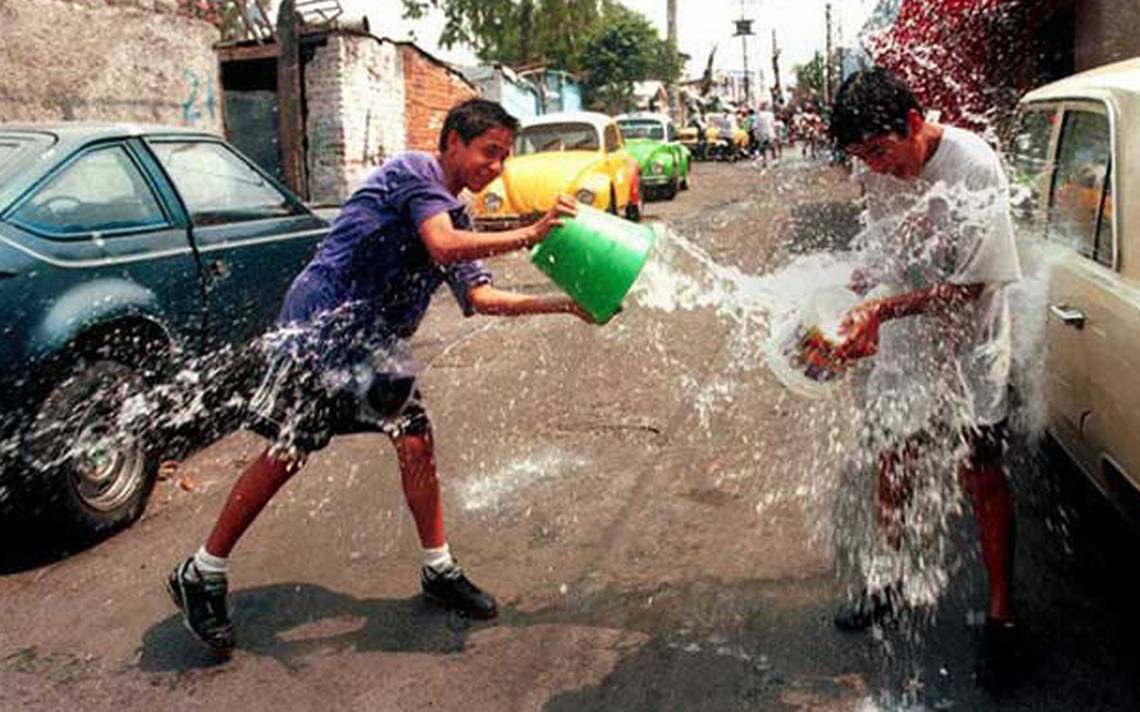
595,258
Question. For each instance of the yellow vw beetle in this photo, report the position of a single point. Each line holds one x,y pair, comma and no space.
577,153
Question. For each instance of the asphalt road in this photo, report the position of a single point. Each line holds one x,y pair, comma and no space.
652,509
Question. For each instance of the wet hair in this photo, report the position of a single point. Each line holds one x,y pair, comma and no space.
871,103
474,117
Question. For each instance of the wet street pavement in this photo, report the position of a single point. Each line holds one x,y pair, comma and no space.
651,508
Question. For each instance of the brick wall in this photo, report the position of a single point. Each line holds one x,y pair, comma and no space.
354,99
430,89
134,60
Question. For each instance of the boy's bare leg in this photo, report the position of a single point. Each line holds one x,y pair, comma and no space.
894,492
993,509
442,580
421,486
249,495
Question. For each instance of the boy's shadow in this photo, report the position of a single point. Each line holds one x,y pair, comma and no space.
291,620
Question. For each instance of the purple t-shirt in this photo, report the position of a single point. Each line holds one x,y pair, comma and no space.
373,267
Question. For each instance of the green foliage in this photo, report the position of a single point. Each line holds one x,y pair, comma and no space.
810,77
625,48
608,42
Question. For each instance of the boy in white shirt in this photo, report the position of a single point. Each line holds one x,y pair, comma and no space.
942,248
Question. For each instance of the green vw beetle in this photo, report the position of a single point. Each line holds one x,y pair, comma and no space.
664,162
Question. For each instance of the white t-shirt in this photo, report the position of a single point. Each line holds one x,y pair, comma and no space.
765,126
950,225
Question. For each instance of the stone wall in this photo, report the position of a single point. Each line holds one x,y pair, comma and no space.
1106,32
354,99
430,89
130,60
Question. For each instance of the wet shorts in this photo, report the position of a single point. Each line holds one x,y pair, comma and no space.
297,407
988,442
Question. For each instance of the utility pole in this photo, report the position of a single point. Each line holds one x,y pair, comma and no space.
827,57
777,90
744,30
671,37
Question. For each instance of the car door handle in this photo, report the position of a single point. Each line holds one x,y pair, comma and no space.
219,269
1068,315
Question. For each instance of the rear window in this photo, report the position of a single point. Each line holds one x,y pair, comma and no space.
218,186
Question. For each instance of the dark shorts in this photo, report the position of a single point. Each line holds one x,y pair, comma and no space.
988,442
298,408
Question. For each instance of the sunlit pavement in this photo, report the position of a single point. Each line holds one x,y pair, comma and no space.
647,509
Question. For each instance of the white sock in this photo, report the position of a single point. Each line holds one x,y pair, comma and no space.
207,563
438,559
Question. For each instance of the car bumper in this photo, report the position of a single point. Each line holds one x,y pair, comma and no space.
656,179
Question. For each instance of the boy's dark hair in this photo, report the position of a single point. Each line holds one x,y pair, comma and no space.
871,103
474,117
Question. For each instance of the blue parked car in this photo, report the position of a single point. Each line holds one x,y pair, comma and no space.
125,252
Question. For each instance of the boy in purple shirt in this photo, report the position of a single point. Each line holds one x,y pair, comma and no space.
338,362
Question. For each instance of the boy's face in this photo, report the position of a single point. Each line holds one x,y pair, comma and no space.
892,154
480,161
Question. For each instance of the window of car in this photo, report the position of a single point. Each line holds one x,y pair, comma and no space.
1080,200
557,137
634,128
101,191
7,150
613,139
217,185
1030,159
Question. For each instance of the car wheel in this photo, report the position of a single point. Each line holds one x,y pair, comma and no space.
86,446
633,211
671,189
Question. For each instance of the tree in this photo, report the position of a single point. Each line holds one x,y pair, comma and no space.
810,78
516,32
625,48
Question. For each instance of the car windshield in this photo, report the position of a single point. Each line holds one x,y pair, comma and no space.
642,129
557,137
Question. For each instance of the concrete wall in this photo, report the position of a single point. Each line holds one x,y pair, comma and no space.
1107,31
354,98
134,60
430,89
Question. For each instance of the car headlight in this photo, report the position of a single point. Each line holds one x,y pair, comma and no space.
657,167
492,202
585,196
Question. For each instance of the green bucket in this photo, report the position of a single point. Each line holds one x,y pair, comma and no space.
595,258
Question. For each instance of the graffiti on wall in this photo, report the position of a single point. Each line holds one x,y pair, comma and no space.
199,95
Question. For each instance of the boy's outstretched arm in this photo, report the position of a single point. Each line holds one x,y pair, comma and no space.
447,243
860,326
486,299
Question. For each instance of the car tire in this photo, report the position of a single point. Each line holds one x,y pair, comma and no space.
634,211
671,189
95,468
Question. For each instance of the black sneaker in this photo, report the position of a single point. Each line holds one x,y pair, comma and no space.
202,599
1001,663
452,589
869,608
